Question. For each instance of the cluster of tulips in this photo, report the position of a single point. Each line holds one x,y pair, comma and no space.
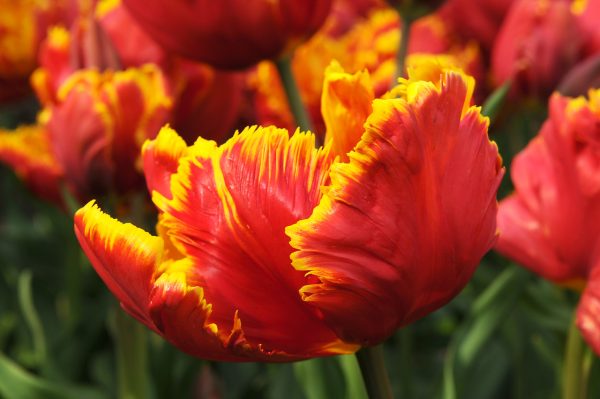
302,179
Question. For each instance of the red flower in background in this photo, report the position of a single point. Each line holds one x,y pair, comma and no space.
538,43
258,255
91,134
93,123
232,34
551,224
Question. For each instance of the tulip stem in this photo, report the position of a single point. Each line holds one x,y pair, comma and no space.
576,365
131,345
406,22
284,67
372,367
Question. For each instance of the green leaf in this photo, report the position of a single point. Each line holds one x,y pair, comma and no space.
355,386
321,378
493,104
16,383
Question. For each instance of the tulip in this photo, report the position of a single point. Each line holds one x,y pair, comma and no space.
271,249
538,43
92,134
205,100
232,34
551,223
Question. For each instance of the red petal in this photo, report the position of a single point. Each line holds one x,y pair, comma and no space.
405,222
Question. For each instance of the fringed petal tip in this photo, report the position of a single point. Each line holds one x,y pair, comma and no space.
161,159
124,256
183,315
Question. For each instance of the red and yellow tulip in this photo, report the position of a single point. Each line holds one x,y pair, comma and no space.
551,224
92,133
271,249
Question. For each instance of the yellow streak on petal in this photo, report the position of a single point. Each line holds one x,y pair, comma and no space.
427,72
59,37
105,6
167,142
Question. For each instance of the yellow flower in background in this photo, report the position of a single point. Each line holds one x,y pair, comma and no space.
371,44
23,26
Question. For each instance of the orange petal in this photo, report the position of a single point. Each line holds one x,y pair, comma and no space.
27,151
345,104
588,311
228,213
403,224
125,257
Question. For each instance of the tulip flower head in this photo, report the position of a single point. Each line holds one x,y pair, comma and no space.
90,135
551,224
230,34
271,249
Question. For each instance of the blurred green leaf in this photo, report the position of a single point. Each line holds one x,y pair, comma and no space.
321,378
355,386
488,311
492,105
16,383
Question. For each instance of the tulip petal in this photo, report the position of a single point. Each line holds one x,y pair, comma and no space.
228,213
27,151
588,311
345,104
403,225
124,256
523,238
161,159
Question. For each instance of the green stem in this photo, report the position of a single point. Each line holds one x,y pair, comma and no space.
574,375
132,364
406,22
74,265
284,67
372,367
